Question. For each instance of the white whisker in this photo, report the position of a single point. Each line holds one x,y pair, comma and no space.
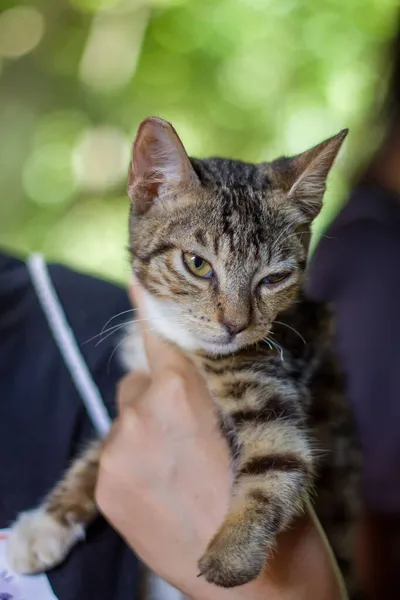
119,344
268,342
115,349
293,329
118,326
275,345
295,234
113,328
124,312
282,233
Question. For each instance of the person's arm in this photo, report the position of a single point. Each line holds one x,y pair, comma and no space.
165,482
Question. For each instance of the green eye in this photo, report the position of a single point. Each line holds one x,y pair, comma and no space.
197,265
274,278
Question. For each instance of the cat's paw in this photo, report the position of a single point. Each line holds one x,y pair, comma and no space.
38,542
236,555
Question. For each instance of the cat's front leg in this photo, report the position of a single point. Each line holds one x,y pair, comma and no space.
42,537
273,477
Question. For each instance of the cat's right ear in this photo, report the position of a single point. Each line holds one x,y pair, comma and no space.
303,177
160,169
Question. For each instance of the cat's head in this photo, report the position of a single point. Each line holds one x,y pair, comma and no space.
220,246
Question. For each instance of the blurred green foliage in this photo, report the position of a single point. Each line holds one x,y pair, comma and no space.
250,79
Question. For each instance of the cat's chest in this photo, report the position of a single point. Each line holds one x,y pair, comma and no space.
242,381
235,381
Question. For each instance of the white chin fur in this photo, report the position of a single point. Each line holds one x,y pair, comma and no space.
161,319
220,348
164,320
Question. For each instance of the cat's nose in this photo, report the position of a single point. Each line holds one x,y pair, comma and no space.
234,328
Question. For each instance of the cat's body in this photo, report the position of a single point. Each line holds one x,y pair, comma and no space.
220,247
303,357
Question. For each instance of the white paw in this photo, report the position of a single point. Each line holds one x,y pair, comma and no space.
37,542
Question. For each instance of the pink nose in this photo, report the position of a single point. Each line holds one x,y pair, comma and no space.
234,328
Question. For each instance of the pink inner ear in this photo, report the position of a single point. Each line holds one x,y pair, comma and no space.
159,159
143,163
143,185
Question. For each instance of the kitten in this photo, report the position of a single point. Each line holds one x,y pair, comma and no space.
220,248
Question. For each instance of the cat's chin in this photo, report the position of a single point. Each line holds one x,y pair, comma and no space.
218,349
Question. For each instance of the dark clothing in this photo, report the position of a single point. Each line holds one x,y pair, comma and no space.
356,268
43,421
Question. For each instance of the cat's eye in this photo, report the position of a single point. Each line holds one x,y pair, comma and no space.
274,278
197,265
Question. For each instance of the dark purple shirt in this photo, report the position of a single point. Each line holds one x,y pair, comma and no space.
356,267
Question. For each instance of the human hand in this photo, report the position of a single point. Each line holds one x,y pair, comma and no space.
165,483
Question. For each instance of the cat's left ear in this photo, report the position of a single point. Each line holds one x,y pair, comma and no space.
303,177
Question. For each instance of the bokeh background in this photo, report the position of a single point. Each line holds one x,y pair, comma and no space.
250,79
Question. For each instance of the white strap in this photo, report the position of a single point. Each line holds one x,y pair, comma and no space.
67,344
332,559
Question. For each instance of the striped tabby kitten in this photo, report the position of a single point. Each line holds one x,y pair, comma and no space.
220,248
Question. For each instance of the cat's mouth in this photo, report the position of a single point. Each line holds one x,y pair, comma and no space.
220,345
225,344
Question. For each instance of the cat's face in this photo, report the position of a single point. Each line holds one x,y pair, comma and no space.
218,245
218,276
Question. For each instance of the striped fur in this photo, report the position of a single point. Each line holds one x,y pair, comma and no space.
275,383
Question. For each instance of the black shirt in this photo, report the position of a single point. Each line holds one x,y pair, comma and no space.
43,421
356,267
